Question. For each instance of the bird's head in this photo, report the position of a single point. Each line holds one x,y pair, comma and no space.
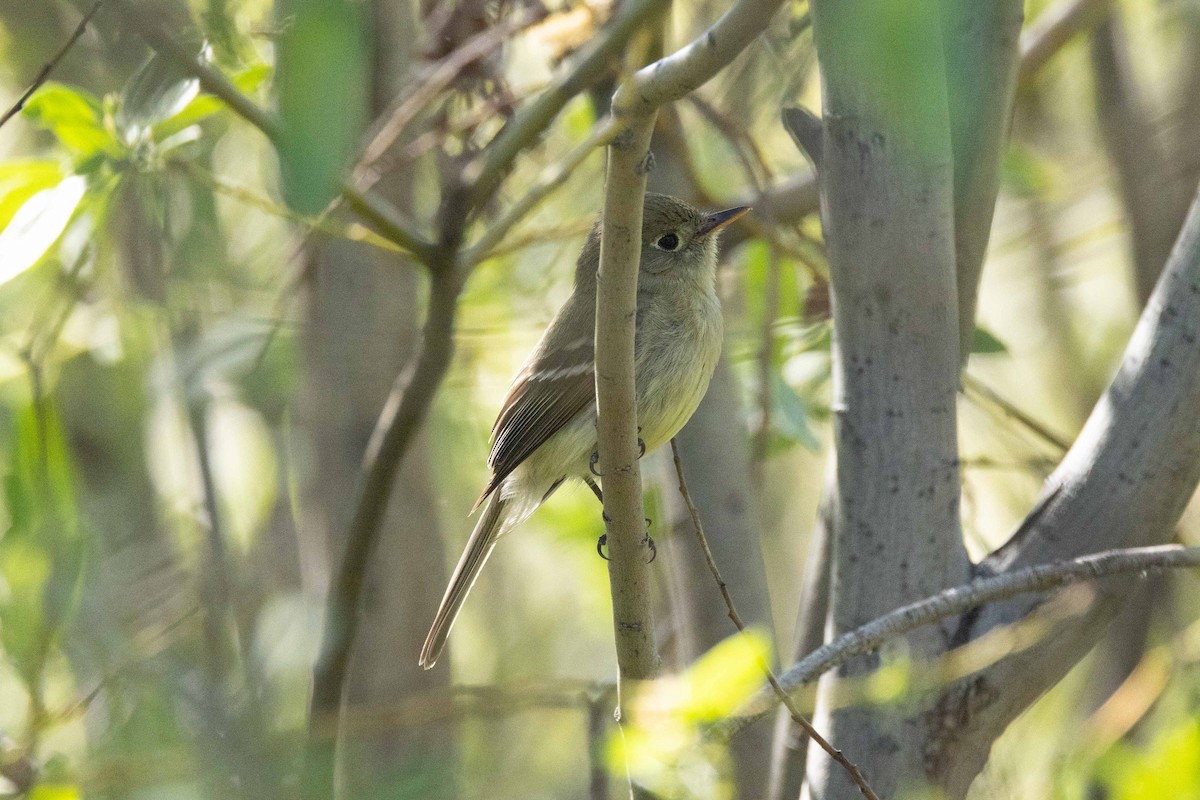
678,241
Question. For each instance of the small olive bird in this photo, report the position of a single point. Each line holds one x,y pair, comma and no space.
546,431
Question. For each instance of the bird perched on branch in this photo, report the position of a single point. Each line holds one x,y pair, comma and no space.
546,430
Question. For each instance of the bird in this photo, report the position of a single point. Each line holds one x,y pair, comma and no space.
545,432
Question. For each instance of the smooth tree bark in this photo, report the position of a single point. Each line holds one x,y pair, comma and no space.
1124,482
887,207
1154,202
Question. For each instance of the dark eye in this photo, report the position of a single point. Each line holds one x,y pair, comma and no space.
668,242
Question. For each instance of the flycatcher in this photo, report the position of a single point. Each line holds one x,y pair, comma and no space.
546,431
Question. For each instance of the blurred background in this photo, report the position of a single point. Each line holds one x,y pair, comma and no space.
195,348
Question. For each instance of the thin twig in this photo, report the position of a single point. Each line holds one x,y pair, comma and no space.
837,755
494,163
972,384
602,135
1052,29
965,597
50,65
440,76
355,232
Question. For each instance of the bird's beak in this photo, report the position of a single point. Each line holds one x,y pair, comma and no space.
712,223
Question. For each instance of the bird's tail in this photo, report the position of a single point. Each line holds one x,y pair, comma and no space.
479,547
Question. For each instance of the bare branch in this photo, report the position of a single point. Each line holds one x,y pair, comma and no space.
629,162
980,41
482,249
887,207
676,75
1052,29
486,174
44,74
783,697
399,422
807,132
961,599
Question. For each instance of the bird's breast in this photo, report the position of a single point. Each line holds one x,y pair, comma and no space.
678,347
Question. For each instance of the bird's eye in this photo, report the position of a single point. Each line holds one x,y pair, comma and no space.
669,242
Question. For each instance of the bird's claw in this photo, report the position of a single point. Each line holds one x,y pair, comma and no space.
646,540
595,457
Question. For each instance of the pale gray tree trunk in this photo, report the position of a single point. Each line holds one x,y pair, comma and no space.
361,331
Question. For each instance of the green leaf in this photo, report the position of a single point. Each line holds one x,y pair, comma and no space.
321,80
55,791
986,342
725,677
203,106
1167,767
157,91
36,226
791,417
1026,172
21,180
75,117
41,553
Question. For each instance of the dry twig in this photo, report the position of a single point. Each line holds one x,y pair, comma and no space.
837,755
49,66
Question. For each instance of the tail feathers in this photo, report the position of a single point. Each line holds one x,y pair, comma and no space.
478,548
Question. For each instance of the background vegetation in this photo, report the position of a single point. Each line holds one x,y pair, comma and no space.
196,342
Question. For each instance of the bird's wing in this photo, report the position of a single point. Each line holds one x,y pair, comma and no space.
556,383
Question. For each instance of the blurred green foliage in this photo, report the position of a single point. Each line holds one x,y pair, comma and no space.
154,252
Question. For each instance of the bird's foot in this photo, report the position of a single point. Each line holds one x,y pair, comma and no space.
646,540
594,459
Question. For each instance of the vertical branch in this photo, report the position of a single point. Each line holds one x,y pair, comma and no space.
887,202
981,41
629,161
790,747
1144,171
398,424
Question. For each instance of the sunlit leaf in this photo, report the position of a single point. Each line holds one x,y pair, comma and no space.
36,226
75,117
203,106
21,180
321,79
726,676
54,791
1169,766
157,91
